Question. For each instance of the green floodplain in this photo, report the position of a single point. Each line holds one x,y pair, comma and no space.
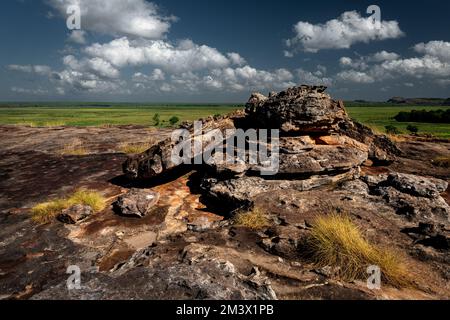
374,115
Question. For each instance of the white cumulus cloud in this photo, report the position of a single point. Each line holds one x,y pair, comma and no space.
439,49
340,33
186,56
314,78
137,18
77,36
355,76
37,69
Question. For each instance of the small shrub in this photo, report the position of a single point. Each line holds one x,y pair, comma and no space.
390,129
255,219
336,241
174,120
156,119
413,129
48,211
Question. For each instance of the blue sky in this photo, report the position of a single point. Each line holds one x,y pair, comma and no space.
221,50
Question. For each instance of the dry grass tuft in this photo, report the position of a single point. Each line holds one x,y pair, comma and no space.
398,137
74,148
256,219
336,241
88,198
443,162
134,148
47,211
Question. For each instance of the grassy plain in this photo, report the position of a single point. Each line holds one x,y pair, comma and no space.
374,115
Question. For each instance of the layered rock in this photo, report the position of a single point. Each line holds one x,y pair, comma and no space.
316,135
318,144
158,159
303,109
415,197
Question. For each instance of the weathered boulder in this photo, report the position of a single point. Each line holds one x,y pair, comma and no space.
416,208
241,192
303,109
322,159
356,187
381,148
316,136
302,156
416,185
75,213
159,158
136,203
255,101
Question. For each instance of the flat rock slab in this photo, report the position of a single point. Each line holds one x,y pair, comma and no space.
142,240
417,185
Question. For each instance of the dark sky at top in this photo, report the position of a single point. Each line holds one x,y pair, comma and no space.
180,51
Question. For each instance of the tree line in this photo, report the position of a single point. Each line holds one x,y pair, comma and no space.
434,116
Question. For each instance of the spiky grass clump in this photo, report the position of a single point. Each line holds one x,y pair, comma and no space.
255,219
48,211
134,148
88,198
336,241
74,148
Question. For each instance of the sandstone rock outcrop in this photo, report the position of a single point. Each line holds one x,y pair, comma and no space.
415,197
319,146
158,159
317,136
303,109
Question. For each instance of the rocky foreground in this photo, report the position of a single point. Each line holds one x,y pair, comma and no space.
168,232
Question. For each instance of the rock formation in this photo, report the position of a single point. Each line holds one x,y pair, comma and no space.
318,145
184,244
